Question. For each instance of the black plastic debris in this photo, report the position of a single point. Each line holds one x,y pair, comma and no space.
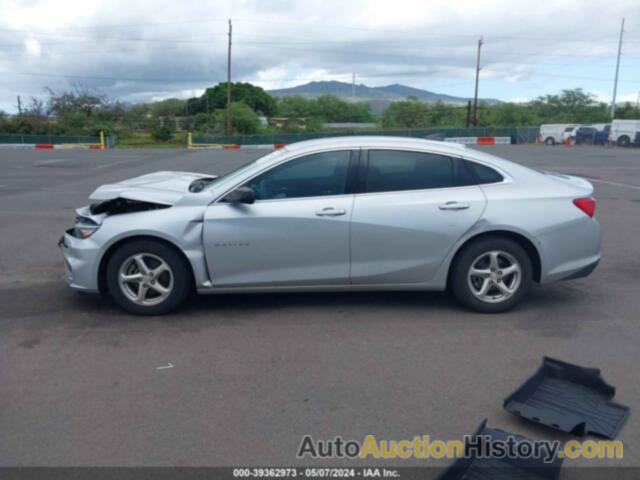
570,398
481,467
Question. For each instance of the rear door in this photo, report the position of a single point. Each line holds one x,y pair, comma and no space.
411,209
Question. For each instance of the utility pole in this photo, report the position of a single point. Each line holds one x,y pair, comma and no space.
229,83
353,85
19,106
475,96
615,82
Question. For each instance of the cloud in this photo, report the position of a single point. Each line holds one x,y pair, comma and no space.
32,47
142,50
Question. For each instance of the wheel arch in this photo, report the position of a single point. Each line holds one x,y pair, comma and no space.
106,256
523,241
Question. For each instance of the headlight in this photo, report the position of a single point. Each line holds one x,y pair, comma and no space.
84,227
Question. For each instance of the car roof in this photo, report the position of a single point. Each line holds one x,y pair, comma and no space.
371,141
431,146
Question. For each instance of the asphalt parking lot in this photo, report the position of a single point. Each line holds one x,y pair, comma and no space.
252,374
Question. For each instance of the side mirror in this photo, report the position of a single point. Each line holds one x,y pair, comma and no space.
242,195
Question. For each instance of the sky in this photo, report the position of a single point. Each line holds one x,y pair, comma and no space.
139,51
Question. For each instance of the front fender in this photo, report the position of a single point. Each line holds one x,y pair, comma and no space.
180,226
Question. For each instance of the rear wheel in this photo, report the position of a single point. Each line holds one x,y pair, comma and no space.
624,141
148,277
491,275
549,141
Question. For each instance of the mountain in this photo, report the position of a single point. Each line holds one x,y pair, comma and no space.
378,97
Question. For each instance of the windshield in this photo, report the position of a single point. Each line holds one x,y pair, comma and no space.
244,168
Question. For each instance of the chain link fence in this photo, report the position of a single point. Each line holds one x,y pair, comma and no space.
517,134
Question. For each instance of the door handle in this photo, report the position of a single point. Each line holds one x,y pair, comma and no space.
454,206
330,212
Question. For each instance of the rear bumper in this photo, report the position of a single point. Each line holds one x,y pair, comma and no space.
80,262
584,271
571,251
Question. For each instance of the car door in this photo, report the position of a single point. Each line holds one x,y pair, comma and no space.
296,232
412,208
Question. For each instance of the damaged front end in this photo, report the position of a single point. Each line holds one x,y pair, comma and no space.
89,218
138,206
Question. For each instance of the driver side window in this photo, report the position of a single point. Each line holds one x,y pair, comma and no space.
315,175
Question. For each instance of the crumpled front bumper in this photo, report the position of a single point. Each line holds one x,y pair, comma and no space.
81,260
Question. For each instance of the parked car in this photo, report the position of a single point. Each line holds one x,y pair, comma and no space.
349,213
592,135
623,132
552,134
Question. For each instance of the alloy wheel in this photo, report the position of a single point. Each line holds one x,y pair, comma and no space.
145,279
494,276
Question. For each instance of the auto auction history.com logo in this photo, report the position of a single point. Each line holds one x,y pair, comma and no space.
480,446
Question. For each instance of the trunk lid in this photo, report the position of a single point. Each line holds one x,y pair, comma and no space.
582,186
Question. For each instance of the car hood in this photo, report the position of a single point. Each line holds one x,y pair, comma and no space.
165,188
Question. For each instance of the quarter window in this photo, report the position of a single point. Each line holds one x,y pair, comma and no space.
316,175
394,170
483,173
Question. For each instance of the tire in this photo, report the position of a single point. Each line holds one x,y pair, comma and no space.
549,141
623,141
479,254
166,283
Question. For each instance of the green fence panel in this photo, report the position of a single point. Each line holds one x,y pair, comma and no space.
53,139
517,134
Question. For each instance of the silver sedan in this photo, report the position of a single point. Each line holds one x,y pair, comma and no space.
351,213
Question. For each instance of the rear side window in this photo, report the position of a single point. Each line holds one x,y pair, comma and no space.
394,171
483,173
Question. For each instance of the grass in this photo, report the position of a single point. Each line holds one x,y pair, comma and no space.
144,140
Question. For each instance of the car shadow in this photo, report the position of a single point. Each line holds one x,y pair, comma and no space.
84,310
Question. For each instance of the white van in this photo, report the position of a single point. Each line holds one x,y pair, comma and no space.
553,133
623,132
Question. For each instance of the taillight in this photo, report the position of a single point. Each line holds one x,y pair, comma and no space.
587,205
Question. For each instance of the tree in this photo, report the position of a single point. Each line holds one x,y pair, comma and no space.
163,130
296,106
573,106
627,110
171,107
410,113
332,109
327,108
215,98
243,119
80,99
203,122
508,115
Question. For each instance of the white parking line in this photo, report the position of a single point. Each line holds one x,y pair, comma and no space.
615,184
49,162
113,164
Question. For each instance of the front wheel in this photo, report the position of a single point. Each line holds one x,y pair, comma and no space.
491,275
148,277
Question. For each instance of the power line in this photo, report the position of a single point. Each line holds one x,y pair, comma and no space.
126,79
